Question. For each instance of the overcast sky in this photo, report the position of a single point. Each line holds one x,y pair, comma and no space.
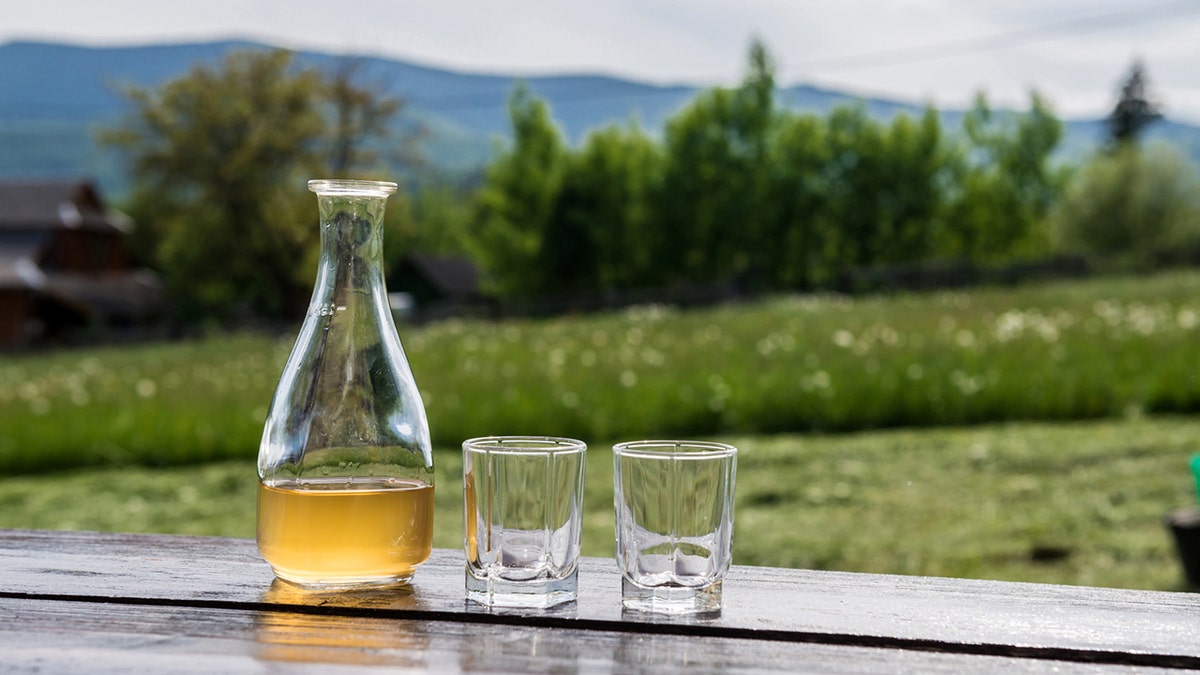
1074,52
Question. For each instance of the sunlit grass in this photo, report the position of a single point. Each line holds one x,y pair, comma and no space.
1077,503
149,404
1077,350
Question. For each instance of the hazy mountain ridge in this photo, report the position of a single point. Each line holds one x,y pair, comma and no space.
53,96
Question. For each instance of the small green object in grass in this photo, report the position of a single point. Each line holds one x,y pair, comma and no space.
1196,474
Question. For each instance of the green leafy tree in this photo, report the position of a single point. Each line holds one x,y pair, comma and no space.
885,187
716,178
794,245
852,177
219,160
598,234
518,199
741,190
850,191
1006,183
434,219
918,165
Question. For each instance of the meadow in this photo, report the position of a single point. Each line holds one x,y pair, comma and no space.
1067,351
1030,433
1078,503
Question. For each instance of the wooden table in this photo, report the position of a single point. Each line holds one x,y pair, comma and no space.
89,602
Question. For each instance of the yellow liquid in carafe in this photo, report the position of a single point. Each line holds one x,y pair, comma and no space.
329,532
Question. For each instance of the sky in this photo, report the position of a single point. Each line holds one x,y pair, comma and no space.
1073,52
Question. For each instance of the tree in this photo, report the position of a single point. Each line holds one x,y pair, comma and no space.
435,219
853,179
715,180
1005,185
517,201
219,159
739,189
917,164
598,234
359,114
1130,205
793,252
1134,110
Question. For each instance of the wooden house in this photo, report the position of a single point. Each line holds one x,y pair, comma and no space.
65,264
439,285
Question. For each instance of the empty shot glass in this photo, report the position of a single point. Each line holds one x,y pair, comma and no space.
522,515
674,523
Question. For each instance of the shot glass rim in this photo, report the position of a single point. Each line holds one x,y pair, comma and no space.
550,445
664,448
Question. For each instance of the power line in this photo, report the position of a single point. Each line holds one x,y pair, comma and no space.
949,48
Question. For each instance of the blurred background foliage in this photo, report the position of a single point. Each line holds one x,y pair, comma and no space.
734,189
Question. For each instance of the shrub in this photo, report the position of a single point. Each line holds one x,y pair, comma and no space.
1126,207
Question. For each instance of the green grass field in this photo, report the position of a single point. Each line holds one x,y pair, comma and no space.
1078,350
1063,503
991,469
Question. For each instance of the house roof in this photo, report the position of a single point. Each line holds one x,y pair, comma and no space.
134,294
454,276
47,205
30,213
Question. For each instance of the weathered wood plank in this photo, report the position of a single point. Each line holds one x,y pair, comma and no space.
915,613
105,637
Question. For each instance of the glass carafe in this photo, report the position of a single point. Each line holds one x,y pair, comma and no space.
345,466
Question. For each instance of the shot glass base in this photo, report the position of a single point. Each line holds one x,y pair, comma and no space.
671,599
533,593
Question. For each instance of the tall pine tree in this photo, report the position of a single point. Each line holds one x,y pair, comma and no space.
1134,110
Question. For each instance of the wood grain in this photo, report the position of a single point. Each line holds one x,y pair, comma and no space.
106,637
892,613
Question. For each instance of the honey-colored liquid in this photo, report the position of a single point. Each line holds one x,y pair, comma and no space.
327,532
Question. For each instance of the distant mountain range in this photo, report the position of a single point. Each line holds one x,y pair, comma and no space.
53,97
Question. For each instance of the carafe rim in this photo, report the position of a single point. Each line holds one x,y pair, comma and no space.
352,187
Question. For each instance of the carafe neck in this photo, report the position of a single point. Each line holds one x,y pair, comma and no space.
351,263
